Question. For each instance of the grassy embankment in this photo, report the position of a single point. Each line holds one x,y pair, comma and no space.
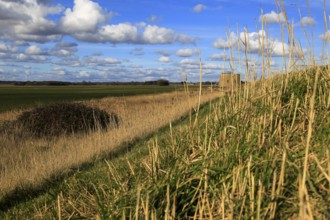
13,97
259,153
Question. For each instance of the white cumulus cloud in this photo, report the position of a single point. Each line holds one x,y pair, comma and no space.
272,18
213,66
84,17
226,43
27,20
153,34
158,35
59,71
134,33
219,57
189,62
83,74
119,33
64,49
307,21
164,59
186,52
124,32
251,41
325,36
101,61
33,50
22,57
8,49
199,8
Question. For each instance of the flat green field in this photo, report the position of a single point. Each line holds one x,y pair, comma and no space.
14,97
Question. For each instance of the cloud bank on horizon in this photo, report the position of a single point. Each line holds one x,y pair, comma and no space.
142,40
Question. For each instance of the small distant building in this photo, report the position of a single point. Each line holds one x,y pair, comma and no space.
229,81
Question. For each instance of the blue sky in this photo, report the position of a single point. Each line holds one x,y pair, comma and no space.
139,40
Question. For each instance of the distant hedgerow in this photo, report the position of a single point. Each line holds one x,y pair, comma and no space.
66,118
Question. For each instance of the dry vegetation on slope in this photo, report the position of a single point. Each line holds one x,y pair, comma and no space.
260,153
28,162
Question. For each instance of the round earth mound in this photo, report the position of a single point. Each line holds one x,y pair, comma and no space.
66,118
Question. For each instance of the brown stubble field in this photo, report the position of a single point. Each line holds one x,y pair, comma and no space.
29,163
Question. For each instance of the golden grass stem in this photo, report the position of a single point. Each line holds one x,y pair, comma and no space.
59,212
310,125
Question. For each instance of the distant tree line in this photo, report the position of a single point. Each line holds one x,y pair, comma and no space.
43,83
160,82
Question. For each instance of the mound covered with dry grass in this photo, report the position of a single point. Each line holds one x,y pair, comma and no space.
66,118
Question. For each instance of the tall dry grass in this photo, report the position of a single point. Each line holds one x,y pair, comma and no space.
28,162
261,154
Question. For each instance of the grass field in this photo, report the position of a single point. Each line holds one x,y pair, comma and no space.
13,97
